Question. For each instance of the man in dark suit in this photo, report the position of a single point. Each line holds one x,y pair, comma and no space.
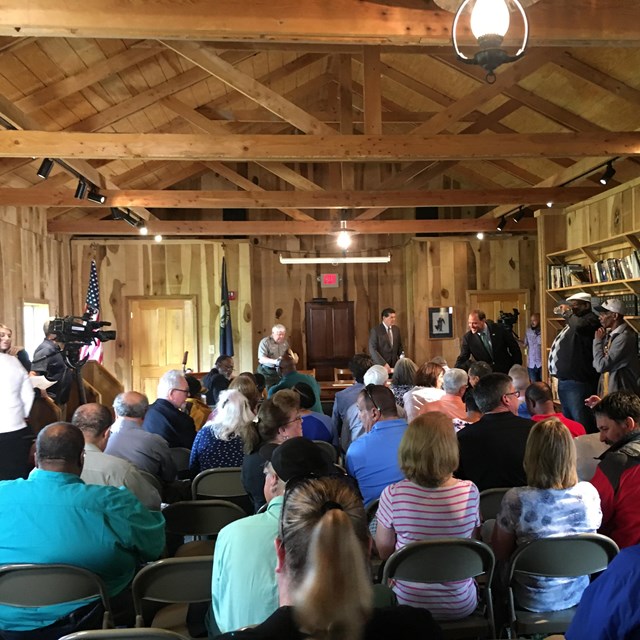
385,343
489,342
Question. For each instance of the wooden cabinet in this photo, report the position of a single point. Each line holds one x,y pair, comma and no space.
330,336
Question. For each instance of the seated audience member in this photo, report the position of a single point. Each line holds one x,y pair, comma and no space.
324,583
244,588
94,420
373,459
617,477
290,378
220,442
477,371
217,380
430,503
589,448
441,360
16,398
278,420
315,426
165,418
6,335
428,388
552,504
246,385
54,517
197,410
471,407
403,379
454,384
539,399
376,374
608,609
146,451
492,449
520,377
347,397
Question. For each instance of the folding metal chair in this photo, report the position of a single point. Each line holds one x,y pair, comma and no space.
223,483
125,634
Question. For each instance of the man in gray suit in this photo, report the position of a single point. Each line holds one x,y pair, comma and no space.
385,343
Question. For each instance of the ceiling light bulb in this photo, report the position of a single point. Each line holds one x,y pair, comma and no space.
158,238
144,231
95,196
609,172
344,240
549,204
480,235
489,18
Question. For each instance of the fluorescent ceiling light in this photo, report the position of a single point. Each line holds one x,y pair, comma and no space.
337,260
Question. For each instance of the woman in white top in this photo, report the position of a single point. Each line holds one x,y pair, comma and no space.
428,388
430,503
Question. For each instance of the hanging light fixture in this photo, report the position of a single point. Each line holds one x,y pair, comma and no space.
490,22
344,236
609,172
502,223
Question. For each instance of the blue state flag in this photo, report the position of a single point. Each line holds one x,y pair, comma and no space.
226,331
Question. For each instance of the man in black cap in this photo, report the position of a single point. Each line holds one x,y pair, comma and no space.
244,587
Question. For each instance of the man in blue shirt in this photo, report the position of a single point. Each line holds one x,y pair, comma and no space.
54,517
373,458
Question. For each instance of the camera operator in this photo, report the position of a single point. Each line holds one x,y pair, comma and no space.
489,342
49,362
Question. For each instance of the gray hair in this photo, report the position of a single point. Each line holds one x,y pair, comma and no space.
453,380
170,380
233,413
124,408
376,375
278,327
520,377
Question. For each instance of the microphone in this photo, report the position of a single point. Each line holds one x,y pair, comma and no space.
185,357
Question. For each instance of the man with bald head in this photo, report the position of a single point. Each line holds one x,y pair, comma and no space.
290,378
146,451
94,420
54,517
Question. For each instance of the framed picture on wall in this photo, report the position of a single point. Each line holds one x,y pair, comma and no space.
440,322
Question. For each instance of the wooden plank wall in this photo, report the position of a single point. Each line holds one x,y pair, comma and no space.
130,268
34,267
421,274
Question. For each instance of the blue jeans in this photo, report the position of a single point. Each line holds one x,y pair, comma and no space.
572,394
535,374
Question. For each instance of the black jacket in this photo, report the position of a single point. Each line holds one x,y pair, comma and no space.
506,351
380,349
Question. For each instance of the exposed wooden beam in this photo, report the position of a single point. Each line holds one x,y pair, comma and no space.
285,227
310,148
552,21
257,199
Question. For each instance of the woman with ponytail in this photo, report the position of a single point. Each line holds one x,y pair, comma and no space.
324,582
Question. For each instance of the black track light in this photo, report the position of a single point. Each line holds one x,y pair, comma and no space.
609,172
81,189
519,214
95,196
116,213
502,223
45,168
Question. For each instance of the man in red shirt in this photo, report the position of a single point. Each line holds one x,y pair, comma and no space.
539,399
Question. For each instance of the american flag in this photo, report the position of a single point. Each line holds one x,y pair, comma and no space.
92,302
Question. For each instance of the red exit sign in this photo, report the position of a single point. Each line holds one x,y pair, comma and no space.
329,280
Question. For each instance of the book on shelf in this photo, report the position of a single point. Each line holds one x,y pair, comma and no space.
567,275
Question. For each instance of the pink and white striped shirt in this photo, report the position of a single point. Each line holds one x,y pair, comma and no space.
419,513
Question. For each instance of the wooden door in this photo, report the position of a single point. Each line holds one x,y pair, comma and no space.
492,302
330,336
160,331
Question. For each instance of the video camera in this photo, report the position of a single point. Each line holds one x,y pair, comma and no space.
508,320
74,332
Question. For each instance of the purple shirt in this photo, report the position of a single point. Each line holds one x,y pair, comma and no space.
533,342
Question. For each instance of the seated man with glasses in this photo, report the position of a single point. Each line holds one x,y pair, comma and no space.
165,418
373,458
492,449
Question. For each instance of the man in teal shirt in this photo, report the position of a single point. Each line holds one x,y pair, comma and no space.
243,587
291,377
54,517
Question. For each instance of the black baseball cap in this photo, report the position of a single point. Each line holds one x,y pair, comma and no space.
297,458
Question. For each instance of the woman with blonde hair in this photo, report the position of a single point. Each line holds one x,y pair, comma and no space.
430,503
553,503
324,582
220,443
278,419
6,335
429,378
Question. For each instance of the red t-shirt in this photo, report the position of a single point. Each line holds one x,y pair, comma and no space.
574,427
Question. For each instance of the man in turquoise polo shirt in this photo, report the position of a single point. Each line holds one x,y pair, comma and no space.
243,587
54,517
291,377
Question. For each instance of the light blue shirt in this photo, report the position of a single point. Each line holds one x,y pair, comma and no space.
341,403
244,590
373,458
55,517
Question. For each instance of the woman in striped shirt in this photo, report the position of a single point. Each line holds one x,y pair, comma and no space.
430,503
